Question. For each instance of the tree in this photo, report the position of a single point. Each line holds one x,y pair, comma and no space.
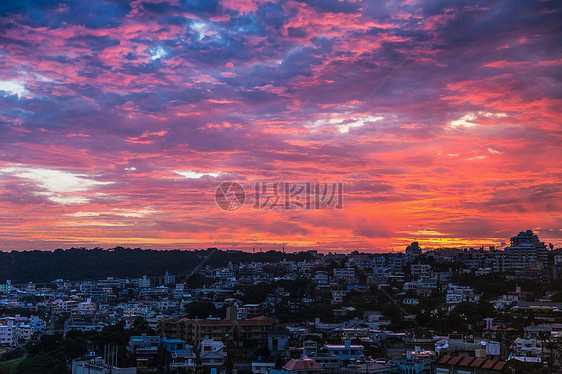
201,309
75,344
43,363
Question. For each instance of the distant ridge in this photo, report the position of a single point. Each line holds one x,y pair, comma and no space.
97,263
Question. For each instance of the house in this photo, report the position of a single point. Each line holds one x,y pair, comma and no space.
181,354
300,366
262,367
395,347
346,351
526,347
212,353
143,341
330,364
411,301
338,295
277,341
210,345
309,348
213,359
457,294
420,269
144,349
23,332
321,277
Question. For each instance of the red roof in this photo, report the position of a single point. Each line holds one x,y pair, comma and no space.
466,361
472,362
500,365
454,360
477,362
302,364
488,364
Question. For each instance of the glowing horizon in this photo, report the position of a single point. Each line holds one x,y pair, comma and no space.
119,120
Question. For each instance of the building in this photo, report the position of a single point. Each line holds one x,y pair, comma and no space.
338,295
526,347
181,354
345,351
6,288
97,366
23,332
418,270
300,366
229,329
526,252
468,365
410,366
7,332
144,282
262,367
277,341
321,277
411,301
413,251
366,368
144,349
212,353
457,294
345,273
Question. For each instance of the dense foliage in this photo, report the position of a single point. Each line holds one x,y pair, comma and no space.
97,263
52,353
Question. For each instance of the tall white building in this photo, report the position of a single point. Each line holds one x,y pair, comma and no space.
144,282
7,332
413,251
526,252
6,288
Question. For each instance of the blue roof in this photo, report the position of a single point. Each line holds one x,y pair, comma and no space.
167,340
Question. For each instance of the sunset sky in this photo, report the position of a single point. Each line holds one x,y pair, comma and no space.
118,120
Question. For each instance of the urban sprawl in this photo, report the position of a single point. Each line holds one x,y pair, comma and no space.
448,310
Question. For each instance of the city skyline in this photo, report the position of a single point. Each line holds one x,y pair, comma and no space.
118,121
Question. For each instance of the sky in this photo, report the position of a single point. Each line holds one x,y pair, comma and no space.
118,121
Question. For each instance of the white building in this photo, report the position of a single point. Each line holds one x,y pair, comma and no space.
338,295
344,273
6,288
321,277
420,269
411,301
526,347
262,367
23,332
457,294
7,337
144,282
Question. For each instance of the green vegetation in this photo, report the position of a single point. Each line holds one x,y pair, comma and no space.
9,367
51,353
70,264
